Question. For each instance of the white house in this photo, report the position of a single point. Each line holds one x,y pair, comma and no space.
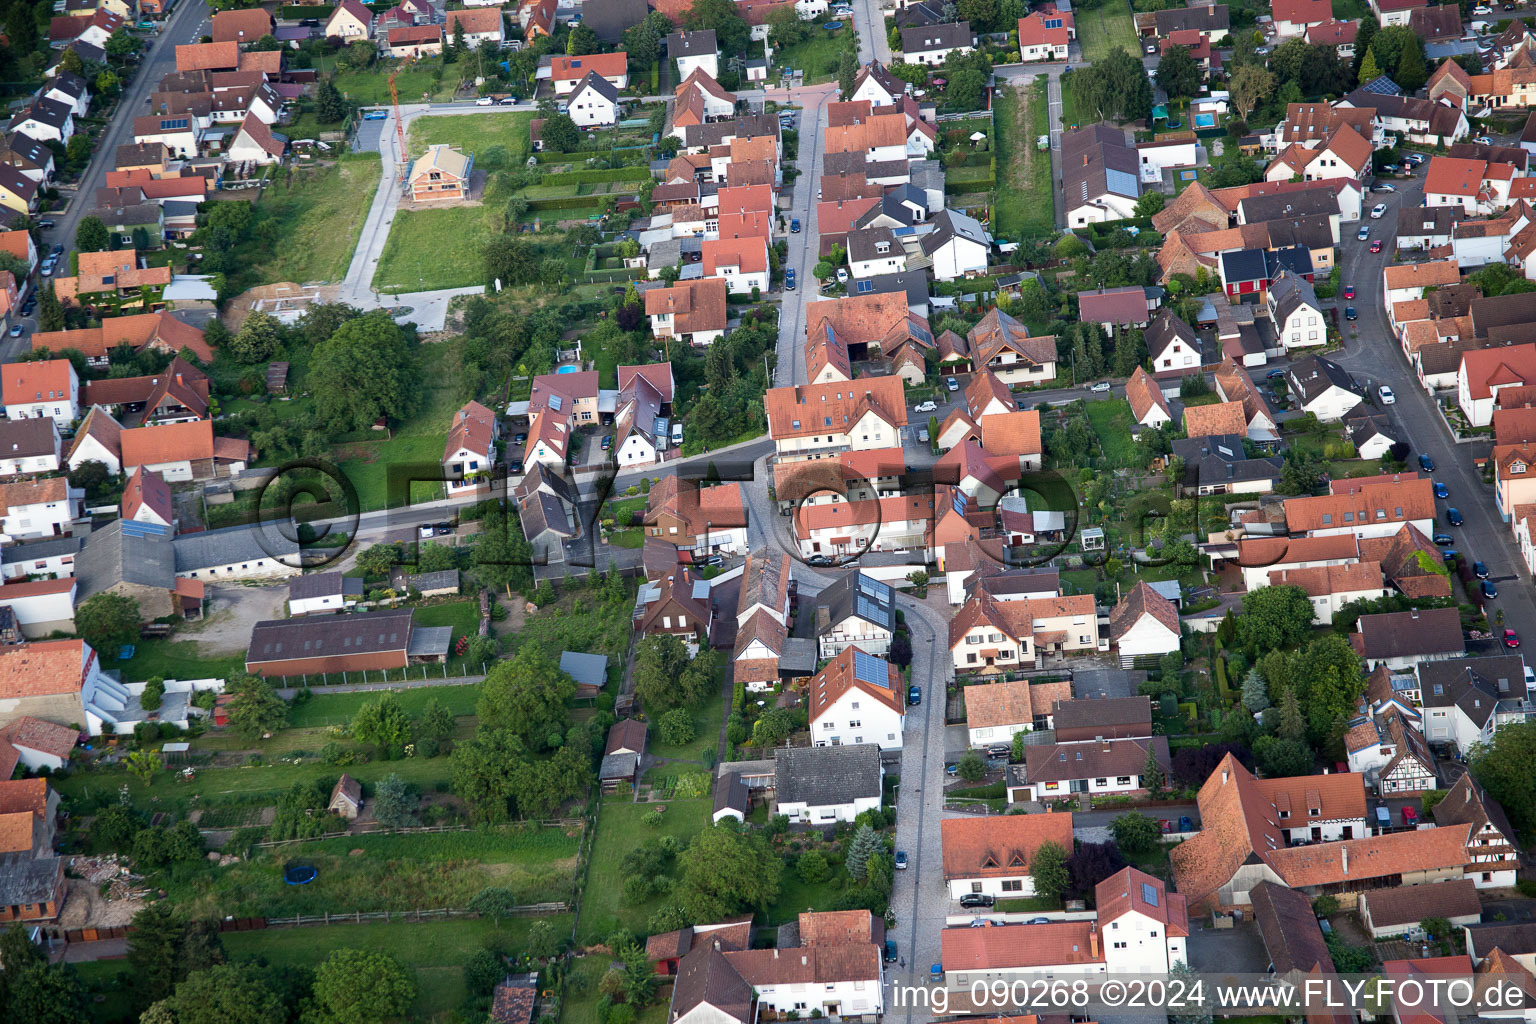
565,73
932,44
812,420
1394,754
1408,281
322,593
991,856
1145,624
1463,697
874,251
1485,372
38,743
1172,347
857,698
29,446
1492,844
1055,771
349,21
1156,157
1332,587
834,972
1323,388
855,611
46,120
821,784
958,245
695,51
54,559
742,262
48,387
38,508
594,103
877,86
1297,316
97,440
469,455
69,89
234,554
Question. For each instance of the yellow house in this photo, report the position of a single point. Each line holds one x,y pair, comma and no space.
17,191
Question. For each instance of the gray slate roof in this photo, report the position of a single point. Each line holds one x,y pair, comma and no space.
237,544
586,669
1220,458
49,548
826,776
110,556
949,225
324,584
26,879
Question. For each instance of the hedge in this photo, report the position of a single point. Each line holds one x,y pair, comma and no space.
593,175
568,203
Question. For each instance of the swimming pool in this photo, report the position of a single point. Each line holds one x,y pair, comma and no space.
569,369
1204,120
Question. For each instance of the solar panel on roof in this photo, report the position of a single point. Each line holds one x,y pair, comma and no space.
958,502
554,402
869,669
873,612
1149,893
874,588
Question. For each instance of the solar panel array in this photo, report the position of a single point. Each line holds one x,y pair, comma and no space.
869,669
873,612
1149,893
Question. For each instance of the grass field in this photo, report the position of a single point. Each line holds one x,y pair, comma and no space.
1102,30
174,659
1025,201
706,725
371,87
431,249
619,829
475,133
325,709
419,441
1069,114
318,214
1112,422
393,873
817,56
598,629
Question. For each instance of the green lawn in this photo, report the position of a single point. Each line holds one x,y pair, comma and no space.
432,249
318,214
392,873
325,709
1025,200
706,725
1112,421
817,56
419,441
619,828
173,659
371,87
796,896
463,616
1069,115
598,628
475,133
1101,30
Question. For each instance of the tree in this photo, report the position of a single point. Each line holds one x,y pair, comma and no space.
1506,768
1329,682
773,728
1255,692
1153,779
847,72
225,992
1291,725
1091,863
354,986
1187,981
1048,869
725,872
1134,832
364,372
378,559
154,693
1149,204
813,868
732,33
143,764
1368,68
107,621
91,235
970,766
258,340
560,134
1279,757
676,727
436,720
163,949
330,107
255,709
1411,73
643,41
382,723
664,676
1177,73
526,697
864,844
394,805
50,314
581,41
121,44
1232,167
1274,618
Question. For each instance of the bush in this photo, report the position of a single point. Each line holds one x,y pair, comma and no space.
813,867
154,694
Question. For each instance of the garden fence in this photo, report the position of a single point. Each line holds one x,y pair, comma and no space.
410,916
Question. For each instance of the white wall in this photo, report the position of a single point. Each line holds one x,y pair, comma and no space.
800,813
870,721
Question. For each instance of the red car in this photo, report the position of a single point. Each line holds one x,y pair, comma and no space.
1165,825
1376,246
1511,638
1349,291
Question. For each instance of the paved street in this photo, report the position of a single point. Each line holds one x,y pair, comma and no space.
869,18
803,254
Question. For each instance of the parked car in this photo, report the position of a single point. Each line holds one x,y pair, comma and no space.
1378,211
914,695
951,384
515,466
842,275
1389,168
1511,639
789,280
1449,554
936,973
922,434
1185,825
1483,140
1165,825
794,225
1364,232
427,531
1426,463
1443,539
890,948
1410,816
17,331
485,101
1349,291
975,899
1275,374
45,224
677,433
1453,517
1000,750
1480,570
1099,387
519,438
1386,395
1442,491
376,115
1490,591
924,407
1376,245
1383,188
607,442
951,769
1350,314
901,860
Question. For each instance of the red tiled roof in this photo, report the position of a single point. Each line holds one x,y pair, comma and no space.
1000,847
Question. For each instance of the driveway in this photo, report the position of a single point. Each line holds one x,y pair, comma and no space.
1235,950
233,609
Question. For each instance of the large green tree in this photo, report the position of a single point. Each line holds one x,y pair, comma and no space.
107,621
1177,73
354,986
666,678
255,709
224,993
164,948
1506,768
732,33
1048,870
363,373
726,871
526,697
382,723
1274,618
258,340
91,235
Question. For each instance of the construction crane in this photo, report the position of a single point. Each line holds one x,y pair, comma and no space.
394,100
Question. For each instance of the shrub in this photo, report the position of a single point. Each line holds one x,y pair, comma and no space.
813,867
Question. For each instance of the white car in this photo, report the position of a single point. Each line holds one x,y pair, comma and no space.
1482,9
842,275
1364,232
1483,140
925,407
484,101
1387,397
1378,211
951,384
1100,387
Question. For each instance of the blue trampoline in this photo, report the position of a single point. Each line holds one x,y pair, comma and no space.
299,873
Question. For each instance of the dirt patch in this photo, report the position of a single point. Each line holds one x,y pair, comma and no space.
84,907
274,298
235,609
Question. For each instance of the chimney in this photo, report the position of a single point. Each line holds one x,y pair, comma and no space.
1344,857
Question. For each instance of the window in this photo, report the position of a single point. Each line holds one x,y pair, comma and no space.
1101,782
1123,780
975,887
1013,885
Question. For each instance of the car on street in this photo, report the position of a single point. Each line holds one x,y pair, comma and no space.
1376,245
1511,638
1443,539
1385,393
1426,463
1453,516
1483,140
1275,374
519,438
890,951
789,280
1378,211
914,695
1383,188
29,308
443,529
901,860
1480,570
1349,291
1185,825
794,225
1099,387
924,407
1449,554
16,331
1441,491
951,384
1151,47
1490,591
975,899
1364,232
1165,825
1350,313
515,466
485,101
57,250
935,973
45,224
818,561
376,115
427,531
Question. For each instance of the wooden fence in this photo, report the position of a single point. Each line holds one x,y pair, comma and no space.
413,830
